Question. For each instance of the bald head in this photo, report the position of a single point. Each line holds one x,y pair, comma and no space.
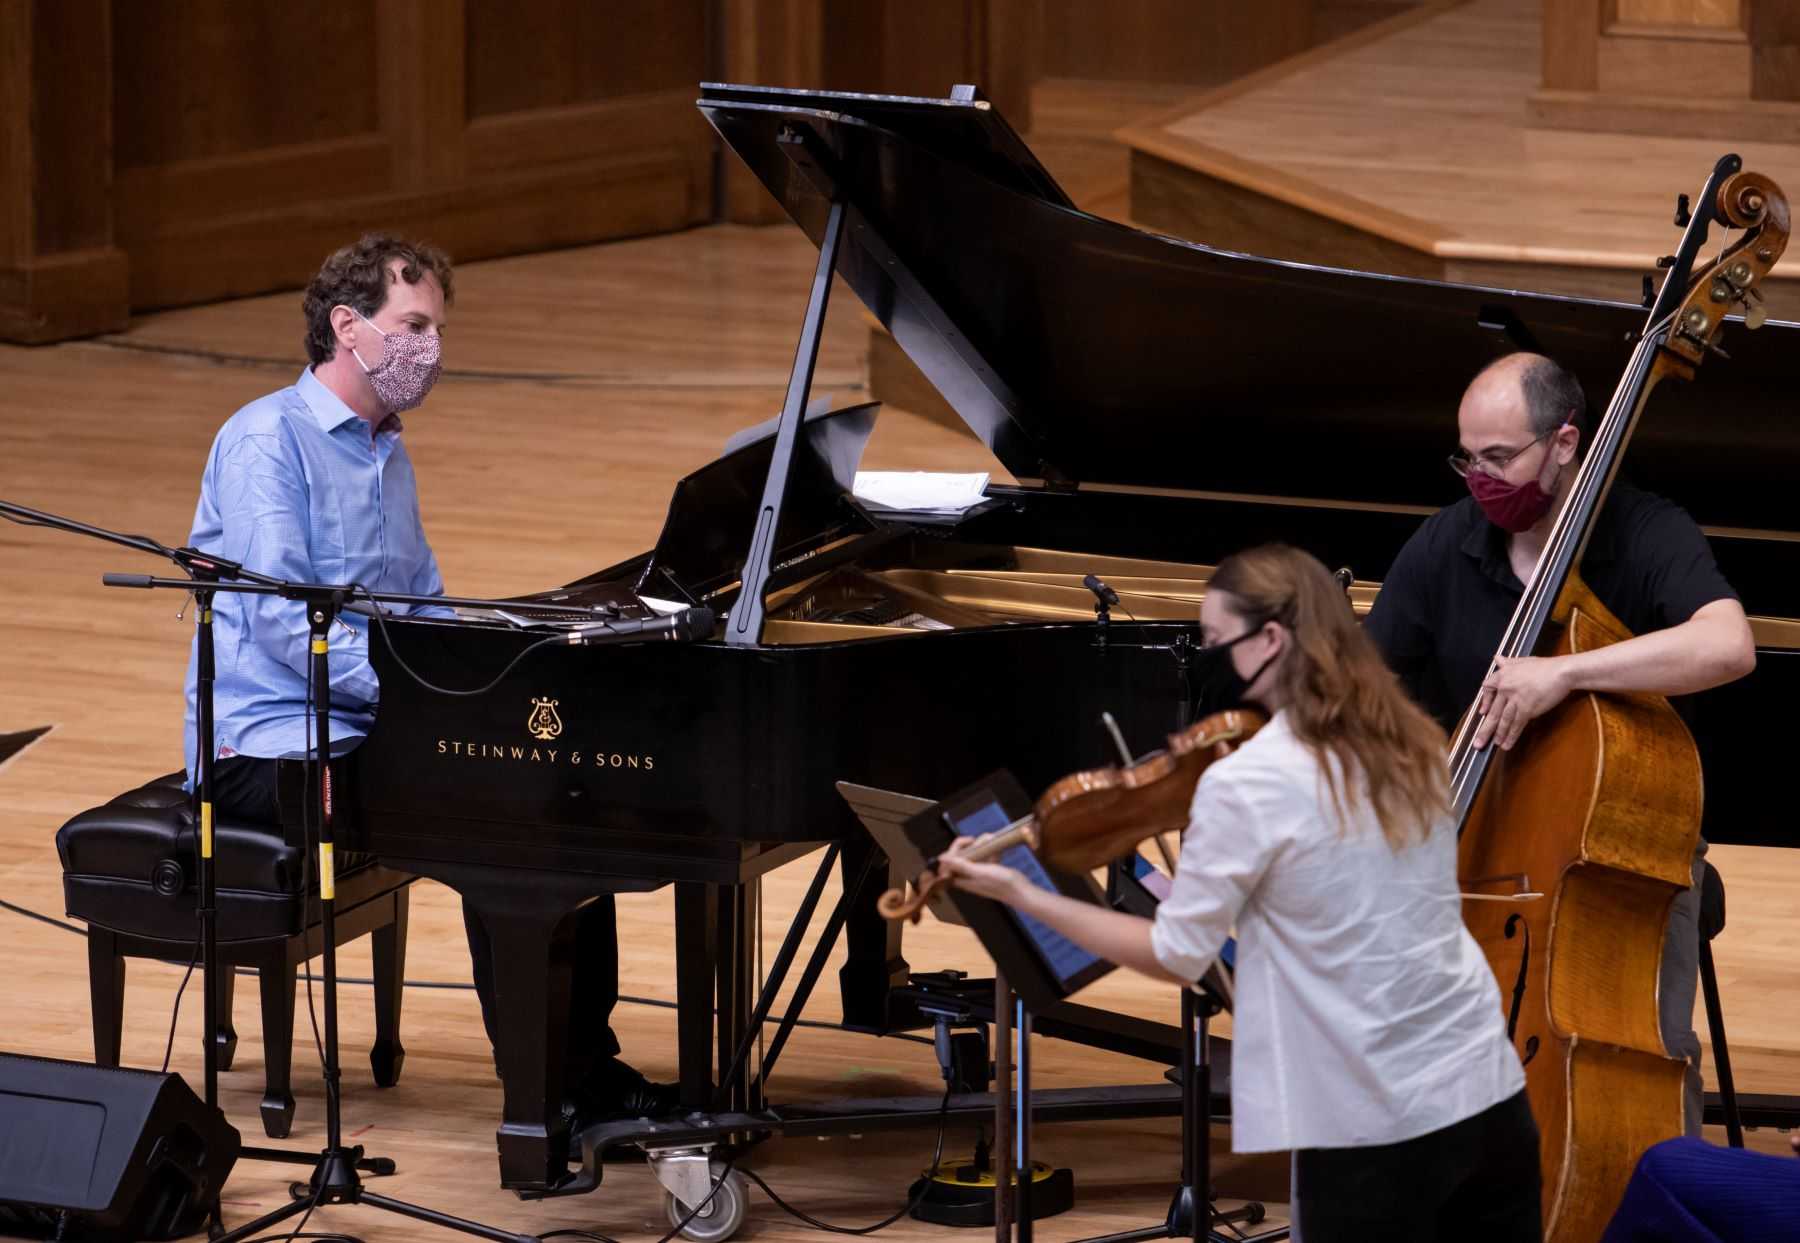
1520,419
1534,392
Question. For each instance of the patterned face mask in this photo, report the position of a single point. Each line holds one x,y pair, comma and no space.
408,367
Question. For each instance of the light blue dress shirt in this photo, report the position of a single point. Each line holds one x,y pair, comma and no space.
296,488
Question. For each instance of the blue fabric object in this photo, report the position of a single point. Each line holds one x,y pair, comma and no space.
1689,1191
296,487
1142,867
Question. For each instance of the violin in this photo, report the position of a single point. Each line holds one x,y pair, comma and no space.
1090,818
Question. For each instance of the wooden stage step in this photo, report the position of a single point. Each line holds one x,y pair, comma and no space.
1405,147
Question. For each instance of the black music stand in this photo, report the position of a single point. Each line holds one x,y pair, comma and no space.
1199,1005
1031,976
1033,970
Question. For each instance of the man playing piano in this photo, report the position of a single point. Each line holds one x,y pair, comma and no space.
312,483
1454,586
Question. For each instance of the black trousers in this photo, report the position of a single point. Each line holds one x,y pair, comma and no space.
1475,1181
246,787
592,941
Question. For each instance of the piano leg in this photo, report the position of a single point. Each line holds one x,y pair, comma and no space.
697,925
737,980
523,917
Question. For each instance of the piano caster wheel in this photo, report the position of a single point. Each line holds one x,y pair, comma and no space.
721,1217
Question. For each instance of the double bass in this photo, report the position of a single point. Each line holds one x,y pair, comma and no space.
1598,805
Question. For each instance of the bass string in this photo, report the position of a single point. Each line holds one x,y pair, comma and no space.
1570,527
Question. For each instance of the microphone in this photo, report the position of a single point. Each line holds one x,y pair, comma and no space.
125,580
1344,576
682,627
1106,595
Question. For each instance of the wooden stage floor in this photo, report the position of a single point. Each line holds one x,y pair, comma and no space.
581,385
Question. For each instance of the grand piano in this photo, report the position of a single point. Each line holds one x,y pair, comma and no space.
1160,404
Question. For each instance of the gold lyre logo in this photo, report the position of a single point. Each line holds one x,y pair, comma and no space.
543,723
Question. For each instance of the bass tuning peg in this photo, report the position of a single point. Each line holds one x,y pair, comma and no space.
1755,313
1682,215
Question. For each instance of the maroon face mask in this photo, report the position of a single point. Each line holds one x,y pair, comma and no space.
1512,507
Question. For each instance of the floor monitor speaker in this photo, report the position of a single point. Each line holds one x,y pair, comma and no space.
92,1153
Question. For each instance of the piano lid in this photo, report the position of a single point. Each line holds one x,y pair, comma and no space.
706,535
1082,351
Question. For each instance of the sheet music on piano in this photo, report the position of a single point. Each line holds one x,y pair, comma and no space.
914,493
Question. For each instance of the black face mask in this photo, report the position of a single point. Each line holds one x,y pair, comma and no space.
1218,686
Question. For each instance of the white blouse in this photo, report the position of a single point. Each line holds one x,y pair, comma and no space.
1365,1013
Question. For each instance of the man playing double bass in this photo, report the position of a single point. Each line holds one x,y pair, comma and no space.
1446,601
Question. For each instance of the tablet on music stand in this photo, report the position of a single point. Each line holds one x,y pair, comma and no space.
1040,964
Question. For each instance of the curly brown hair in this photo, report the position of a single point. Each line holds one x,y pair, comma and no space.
356,277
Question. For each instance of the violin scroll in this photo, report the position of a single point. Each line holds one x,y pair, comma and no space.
909,903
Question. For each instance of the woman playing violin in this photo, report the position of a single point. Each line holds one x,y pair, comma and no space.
1369,1034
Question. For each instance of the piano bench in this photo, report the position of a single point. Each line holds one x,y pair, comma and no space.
129,873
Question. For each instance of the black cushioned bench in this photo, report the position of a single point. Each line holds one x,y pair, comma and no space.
129,873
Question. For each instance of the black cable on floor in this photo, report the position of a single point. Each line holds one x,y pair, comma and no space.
367,982
54,922
594,1235
175,1012
912,1202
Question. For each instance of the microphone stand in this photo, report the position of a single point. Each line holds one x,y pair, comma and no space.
335,1177
1191,1213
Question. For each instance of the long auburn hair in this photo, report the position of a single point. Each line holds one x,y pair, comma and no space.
1342,700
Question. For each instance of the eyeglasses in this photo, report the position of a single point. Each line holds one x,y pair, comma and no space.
1492,462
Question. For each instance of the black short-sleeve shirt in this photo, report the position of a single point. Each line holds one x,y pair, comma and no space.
1446,601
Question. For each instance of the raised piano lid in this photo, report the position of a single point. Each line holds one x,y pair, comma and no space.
712,511
1085,352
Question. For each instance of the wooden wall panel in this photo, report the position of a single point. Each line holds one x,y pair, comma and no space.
424,91
1571,44
1773,27
70,129
179,151
1641,64
898,47
1608,65
16,90
200,79
1722,14
59,274
924,47
1170,40
770,43
906,47
526,54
